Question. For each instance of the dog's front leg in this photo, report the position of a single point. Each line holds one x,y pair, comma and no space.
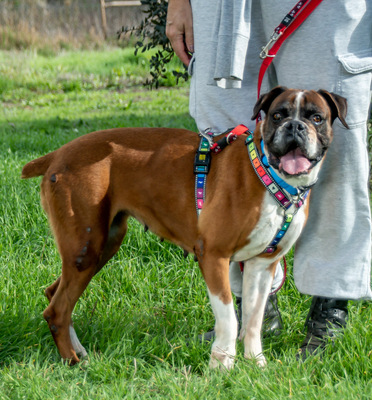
216,275
257,281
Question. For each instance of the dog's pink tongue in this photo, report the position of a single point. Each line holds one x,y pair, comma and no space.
294,162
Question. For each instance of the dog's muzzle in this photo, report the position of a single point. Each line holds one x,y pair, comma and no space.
291,151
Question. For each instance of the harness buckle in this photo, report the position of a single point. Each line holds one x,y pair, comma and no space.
202,162
270,249
208,135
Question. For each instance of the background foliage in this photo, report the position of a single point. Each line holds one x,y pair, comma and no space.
151,34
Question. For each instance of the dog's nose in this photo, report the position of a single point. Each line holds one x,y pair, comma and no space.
294,127
294,135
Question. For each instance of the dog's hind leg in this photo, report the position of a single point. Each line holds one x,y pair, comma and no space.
117,231
84,249
50,291
77,346
83,255
257,281
216,274
58,313
116,234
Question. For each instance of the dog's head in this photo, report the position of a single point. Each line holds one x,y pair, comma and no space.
297,130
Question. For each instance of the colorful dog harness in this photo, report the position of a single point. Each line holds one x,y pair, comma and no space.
272,182
275,186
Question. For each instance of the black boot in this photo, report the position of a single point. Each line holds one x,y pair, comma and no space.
272,323
326,320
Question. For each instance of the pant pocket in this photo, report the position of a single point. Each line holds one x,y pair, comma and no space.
354,83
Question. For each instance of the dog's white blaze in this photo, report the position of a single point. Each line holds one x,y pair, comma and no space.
257,281
226,328
78,347
297,115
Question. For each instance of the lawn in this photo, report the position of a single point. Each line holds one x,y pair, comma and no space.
140,317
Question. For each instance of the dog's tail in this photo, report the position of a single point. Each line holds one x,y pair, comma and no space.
37,167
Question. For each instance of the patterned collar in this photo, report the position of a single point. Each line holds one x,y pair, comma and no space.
278,190
284,194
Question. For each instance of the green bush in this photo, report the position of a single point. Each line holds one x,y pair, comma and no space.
151,36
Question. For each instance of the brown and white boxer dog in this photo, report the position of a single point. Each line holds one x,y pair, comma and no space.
94,183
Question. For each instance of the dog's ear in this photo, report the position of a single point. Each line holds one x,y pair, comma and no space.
337,104
265,100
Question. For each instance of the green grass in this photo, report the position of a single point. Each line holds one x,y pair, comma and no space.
140,316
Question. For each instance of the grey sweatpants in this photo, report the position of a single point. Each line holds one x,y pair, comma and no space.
332,50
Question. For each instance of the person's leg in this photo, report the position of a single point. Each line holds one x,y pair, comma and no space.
310,58
332,257
211,106
339,226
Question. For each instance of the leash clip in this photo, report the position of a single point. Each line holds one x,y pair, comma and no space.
265,49
208,135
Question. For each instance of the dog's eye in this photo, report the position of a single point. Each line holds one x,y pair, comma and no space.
277,116
317,119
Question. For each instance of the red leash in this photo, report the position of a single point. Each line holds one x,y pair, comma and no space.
289,24
241,264
284,278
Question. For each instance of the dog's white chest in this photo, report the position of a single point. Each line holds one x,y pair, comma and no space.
270,222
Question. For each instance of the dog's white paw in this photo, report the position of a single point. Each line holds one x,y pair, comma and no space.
221,360
260,359
78,347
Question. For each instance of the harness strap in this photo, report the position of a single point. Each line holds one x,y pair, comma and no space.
231,136
202,164
265,176
202,160
287,219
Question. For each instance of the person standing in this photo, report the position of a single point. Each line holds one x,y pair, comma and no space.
220,42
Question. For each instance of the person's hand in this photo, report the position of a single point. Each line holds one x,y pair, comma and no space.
179,29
